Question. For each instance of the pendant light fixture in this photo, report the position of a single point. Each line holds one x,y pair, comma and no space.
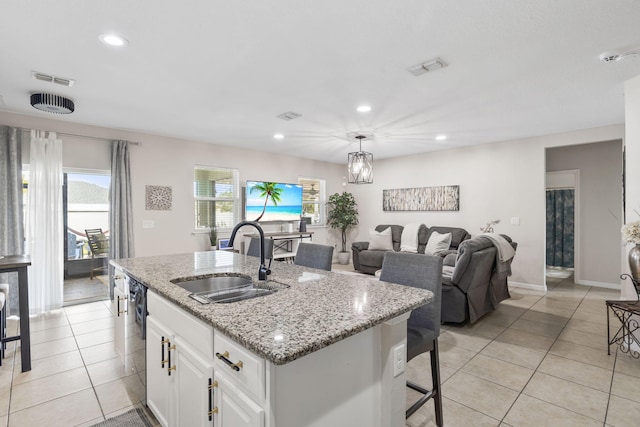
360,165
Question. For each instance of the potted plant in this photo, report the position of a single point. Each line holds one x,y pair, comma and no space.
343,214
213,238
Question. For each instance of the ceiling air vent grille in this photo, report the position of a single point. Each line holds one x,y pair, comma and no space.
53,79
290,115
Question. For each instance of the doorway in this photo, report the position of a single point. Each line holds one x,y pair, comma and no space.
86,206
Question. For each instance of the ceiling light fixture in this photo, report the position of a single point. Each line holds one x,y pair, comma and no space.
52,103
360,165
278,136
113,40
364,109
441,137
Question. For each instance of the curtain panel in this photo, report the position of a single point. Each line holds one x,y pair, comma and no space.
11,216
560,228
45,223
121,208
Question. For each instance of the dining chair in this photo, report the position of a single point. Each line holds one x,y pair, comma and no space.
314,255
254,248
423,326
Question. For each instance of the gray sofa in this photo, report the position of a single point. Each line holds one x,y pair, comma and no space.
370,261
474,280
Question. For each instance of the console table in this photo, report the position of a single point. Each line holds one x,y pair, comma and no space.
628,313
18,264
283,242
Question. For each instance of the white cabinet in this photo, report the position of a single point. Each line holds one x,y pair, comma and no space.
234,408
179,368
194,387
121,302
240,376
159,385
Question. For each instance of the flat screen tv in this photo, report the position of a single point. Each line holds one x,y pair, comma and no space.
273,201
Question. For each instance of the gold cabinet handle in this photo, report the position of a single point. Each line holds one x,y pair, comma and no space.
212,385
118,306
225,358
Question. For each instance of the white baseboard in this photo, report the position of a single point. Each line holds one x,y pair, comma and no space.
615,286
530,286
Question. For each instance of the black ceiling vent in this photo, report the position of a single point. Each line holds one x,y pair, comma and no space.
52,103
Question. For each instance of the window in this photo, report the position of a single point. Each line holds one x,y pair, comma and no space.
216,197
313,200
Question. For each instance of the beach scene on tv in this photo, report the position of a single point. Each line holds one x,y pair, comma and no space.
271,201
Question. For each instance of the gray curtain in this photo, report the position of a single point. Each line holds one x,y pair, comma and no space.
560,228
11,216
121,208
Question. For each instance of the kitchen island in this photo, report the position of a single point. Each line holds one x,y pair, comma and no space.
326,349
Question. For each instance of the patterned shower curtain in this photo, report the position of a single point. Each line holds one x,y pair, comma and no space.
560,230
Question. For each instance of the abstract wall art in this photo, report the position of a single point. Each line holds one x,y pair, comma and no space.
157,198
441,198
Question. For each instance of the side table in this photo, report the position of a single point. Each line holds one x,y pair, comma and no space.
18,264
628,313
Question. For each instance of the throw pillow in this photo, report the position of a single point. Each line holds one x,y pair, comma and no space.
380,241
437,243
409,239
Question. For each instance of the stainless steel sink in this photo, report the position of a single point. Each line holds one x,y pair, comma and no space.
225,289
234,295
213,283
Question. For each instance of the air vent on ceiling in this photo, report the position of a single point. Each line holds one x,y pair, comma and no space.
425,67
290,115
53,79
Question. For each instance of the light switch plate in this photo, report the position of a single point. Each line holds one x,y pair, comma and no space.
515,220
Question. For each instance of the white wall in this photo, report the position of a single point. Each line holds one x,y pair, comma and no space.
632,161
600,210
169,162
500,180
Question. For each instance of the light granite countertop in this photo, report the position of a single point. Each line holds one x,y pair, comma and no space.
318,309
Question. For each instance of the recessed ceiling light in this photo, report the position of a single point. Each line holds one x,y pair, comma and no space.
278,136
441,137
364,108
113,40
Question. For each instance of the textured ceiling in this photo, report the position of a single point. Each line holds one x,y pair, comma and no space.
221,71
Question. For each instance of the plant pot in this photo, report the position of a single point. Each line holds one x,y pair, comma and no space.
343,258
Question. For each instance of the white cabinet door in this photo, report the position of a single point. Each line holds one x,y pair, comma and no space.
194,393
235,409
120,300
159,382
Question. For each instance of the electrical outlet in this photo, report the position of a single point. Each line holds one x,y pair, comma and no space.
147,223
399,359
515,220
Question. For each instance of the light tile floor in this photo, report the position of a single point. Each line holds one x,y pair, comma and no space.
76,377
538,360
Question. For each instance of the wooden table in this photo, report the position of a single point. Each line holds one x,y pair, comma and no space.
19,264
